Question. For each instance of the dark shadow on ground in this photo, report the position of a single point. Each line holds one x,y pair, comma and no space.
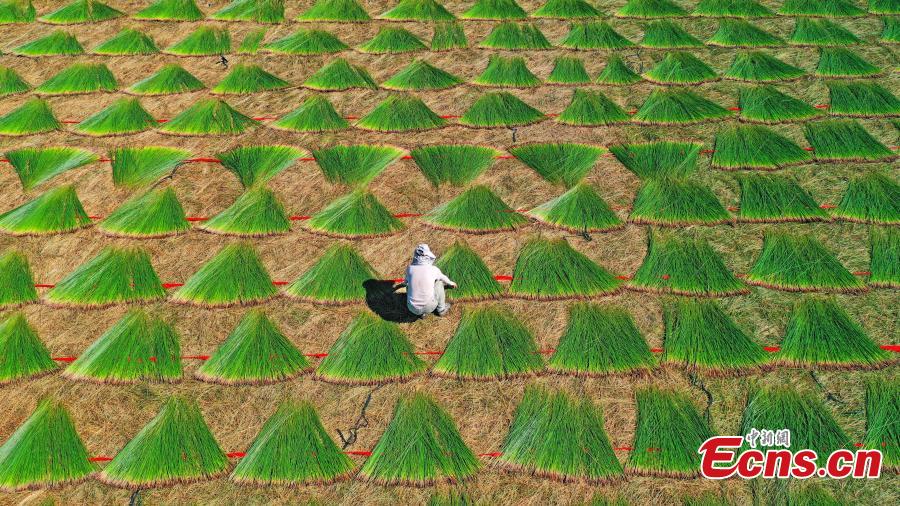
384,300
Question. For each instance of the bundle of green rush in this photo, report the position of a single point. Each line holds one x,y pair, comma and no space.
24,354
800,263
116,275
475,282
338,277
235,276
549,269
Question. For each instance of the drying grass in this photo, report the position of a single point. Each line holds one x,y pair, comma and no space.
861,100
456,164
592,108
418,10
891,31
556,436
731,9
256,213
338,277
44,452
420,446
79,78
244,79
252,42
498,109
54,212
357,215
741,33
495,9
477,210
800,263
81,11
175,447
759,67
617,73
315,114
307,42
510,35
871,197
658,159
676,203
549,269
685,265
209,117
137,167
840,62
765,104
845,140
259,11
235,276
34,166
357,164
123,117
56,44
137,348
17,280
156,213
882,413
821,32
559,163
668,35
390,40
668,431
771,198
568,70
370,351
680,67
255,353
126,43
347,11
168,80
340,75
117,275
507,72
16,11
579,210
594,35
11,83
755,147
421,75
401,113
678,106
170,10
24,355
566,9
204,41
601,340
884,257
292,448
474,279
824,8
646,9
448,35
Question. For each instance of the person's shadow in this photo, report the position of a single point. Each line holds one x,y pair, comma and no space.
384,300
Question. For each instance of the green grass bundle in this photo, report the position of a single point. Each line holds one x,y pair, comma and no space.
769,198
685,265
511,72
123,117
678,106
126,43
668,431
44,452
56,211
335,10
668,35
137,167
170,10
489,343
81,11
355,164
11,83
421,446
862,100
17,280
601,340
116,275
56,44
79,78
556,436
315,114
676,202
252,42
495,9
811,424
450,497
256,212
731,9
700,336
418,10
824,8
16,11
871,197
38,165
568,70
884,7
510,35
401,113
745,146
370,351
882,413
137,348
258,11
821,32
840,62
549,269
681,67
559,163
741,33
884,257
821,334
500,109
765,104
204,41
759,67
338,277
456,164
293,448
156,213
421,75
800,263
340,75
209,117
594,35
175,447
235,276
566,9
22,354
891,31
592,108
391,40
579,210
617,73
477,210
244,79
667,159
475,281
646,9
844,140
448,35
255,353
356,215
168,80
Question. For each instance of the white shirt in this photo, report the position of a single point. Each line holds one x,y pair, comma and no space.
420,280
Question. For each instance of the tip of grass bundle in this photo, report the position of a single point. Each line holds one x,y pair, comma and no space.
648,9
495,9
840,62
245,79
568,70
474,280
871,197
168,80
566,9
882,412
510,35
861,100
81,11
765,104
678,106
823,8
256,213
549,269
126,43
56,44
500,109
594,35
421,75
175,447
259,11
17,11
170,10
338,277
401,113
209,117
24,355
355,164
418,10
315,114
123,117
477,210
34,166
252,42
845,141
54,212
506,72
759,67
307,42
685,265
156,213
16,277
392,40
668,35
116,275
11,83
448,35
340,75
740,33
755,147
770,198
601,340
579,210
370,351
617,73
731,9
592,108
256,165
356,215
137,167
335,10
679,67
821,32
456,164
204,41
677,202
559,163
235,276
79,78
800,263
884,257
658,159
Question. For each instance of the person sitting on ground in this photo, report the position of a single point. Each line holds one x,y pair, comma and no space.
425,284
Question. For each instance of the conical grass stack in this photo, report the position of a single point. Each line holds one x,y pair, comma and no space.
53,212
477,210
590,35
355,164
421,75
617,73
740,33
11,83
170,10
418,10
862,100
125,116
495,9
22,353
340,75
821,32
256,213
259,11
33,117
678,106
658,159
138,167
204,41
346,11
170,79
257,165
506,72
58,43
676,203
448,35
474,281
568,70
549,269
773,198
235,276
566,9
244,79
127,42
668,35
760,67
17,11
800,263
307,42
316,114
156,213
839,62
765,104
358,215
338,277
17,280
882,413
401,113
559,163
592,108
209,117
647,9
579,210
685,265
755,147
512,36
681,68
390,40
500,109
871,197
884,257
456,164
81,11
117,275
